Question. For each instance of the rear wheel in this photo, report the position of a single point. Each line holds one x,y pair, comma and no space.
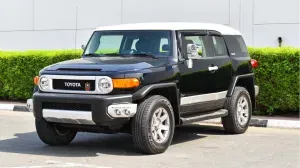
53,135
240,111
153,125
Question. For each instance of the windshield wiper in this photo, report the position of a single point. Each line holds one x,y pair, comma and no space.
114,54
128,55
93,55
144,55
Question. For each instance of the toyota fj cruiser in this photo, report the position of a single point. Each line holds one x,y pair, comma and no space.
145,79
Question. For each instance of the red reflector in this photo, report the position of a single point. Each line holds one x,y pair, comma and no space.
254,63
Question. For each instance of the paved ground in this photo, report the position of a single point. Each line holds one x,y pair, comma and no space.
193,146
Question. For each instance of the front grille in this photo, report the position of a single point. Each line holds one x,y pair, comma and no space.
67,106
75,85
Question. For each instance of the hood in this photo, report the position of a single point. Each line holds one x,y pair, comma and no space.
108,64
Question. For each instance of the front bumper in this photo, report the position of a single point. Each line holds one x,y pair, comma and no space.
104,110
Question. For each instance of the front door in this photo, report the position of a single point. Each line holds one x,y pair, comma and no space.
203,87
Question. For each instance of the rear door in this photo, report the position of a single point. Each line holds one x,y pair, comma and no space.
222,62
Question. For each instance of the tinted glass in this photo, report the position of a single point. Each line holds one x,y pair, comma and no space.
157,43
219,46
236,45
110,43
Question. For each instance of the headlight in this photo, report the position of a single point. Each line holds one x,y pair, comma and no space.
44,83
105,85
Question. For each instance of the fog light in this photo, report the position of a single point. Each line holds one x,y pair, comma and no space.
127,112
117,111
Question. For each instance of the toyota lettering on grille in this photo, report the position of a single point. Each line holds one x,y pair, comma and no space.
72,84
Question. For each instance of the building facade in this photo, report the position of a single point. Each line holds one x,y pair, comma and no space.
67,24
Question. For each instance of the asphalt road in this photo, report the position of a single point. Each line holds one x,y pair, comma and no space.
193,146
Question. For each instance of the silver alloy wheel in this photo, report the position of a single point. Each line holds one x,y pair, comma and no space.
160,125
242,111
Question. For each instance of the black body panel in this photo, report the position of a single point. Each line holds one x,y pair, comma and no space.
199,80
140,94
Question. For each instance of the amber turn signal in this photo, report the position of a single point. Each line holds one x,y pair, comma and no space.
126,83
36,80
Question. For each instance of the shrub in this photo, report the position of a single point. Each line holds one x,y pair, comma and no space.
18,69
277,74
278,78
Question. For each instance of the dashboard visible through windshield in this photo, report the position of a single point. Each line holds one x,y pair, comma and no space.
141,43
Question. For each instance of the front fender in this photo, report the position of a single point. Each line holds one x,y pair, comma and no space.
141,93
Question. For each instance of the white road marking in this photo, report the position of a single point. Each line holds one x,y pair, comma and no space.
60,164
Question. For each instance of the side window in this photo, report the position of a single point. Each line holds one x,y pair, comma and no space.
219,46
236,45
198,41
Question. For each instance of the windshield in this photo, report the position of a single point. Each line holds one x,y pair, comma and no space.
140,43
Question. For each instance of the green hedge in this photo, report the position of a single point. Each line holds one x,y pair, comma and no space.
18,69
278,78
277,75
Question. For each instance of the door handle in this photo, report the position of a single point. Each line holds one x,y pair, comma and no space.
213,68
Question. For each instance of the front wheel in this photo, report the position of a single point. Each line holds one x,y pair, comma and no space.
53,135
240,111
153,125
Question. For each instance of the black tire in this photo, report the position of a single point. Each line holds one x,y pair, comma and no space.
141,125
53,136
230,122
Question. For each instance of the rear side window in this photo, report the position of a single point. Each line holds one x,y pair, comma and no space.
219,46
236,45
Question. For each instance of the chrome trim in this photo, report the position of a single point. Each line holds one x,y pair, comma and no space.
203,98
256,90
128,106
68,116
214,68
72,77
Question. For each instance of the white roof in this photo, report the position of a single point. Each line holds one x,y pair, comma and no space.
173,26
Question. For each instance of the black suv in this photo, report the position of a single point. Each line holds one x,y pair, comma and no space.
145,79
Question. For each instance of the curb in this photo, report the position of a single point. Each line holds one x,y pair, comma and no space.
266,123
255,121
25,107
14,107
